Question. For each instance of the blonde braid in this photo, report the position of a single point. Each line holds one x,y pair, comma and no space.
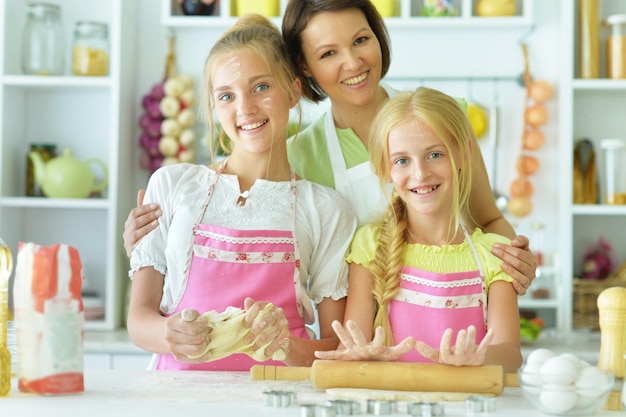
386,265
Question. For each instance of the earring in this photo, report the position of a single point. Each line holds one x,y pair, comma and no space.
316,88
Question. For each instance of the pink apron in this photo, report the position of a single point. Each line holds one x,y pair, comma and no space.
226,265
429,302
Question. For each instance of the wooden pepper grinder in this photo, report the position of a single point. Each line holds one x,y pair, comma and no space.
612,309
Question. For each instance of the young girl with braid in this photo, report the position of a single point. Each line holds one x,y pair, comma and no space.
423,285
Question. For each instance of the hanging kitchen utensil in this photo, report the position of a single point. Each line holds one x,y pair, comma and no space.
502,200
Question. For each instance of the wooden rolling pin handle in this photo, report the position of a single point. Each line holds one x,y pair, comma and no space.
297,373
280,373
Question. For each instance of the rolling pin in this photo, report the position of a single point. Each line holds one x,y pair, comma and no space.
399,376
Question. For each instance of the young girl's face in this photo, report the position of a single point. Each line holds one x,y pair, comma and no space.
252,108
343,55
421,168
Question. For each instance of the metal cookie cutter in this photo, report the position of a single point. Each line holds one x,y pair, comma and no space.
381,407
480,404
425,409
344,407
316,410
279,398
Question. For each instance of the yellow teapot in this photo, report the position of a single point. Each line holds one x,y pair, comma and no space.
66,176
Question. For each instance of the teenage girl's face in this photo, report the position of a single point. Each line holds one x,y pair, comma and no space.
421,168
343,55
252,108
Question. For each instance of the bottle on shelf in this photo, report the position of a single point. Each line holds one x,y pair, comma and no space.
43,45
614,182
91,49
616,46
6,267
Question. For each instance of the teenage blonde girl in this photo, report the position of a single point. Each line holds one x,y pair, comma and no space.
424,273
243,232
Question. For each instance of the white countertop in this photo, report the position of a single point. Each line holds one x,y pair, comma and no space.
585,345
201,393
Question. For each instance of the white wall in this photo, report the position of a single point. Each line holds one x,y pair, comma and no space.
481,65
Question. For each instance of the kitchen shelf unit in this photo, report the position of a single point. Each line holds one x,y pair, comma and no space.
406,13
91,117
590,108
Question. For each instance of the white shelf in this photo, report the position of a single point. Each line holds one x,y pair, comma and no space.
32,81
406,16
91,116
46,203
598,210
599,84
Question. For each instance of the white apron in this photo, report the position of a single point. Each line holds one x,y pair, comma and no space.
359,186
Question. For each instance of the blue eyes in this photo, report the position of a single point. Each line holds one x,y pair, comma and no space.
258,89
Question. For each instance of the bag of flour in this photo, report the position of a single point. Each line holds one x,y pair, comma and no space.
49,319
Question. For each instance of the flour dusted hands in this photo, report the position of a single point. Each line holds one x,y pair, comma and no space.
270,327
357,348
464,352
187,335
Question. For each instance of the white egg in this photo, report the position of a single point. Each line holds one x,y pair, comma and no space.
589,380
531,374
574,358
558,399
559,370
539,356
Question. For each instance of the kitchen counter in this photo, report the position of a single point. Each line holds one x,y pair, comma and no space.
198,393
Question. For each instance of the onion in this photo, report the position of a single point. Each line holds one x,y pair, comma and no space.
541,91
527,165
533,139
519,206
521,187
536,115
168,146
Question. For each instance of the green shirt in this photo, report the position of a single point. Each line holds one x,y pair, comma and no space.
308,152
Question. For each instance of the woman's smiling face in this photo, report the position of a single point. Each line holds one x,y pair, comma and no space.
343,55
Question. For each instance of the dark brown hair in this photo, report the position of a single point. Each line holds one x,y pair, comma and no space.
297,15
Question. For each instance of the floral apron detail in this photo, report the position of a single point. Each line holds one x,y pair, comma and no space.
358,185
430,302
226,265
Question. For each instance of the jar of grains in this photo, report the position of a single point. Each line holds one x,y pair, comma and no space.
91,49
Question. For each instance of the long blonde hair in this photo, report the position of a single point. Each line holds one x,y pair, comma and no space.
445,117
259,34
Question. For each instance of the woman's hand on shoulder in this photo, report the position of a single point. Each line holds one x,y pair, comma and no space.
519,262
187,335
140,221
464,352
355,346
270,327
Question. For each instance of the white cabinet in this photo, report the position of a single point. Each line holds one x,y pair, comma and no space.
90,116
593,109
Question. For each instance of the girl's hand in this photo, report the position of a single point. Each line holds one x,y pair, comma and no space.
188,337
272,327
140,221
464,352
519,262
357,348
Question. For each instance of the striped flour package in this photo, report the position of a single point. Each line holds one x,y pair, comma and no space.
49,319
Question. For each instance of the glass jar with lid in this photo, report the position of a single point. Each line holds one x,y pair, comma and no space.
90,54
43,47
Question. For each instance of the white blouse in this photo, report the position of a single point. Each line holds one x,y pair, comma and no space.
324,226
